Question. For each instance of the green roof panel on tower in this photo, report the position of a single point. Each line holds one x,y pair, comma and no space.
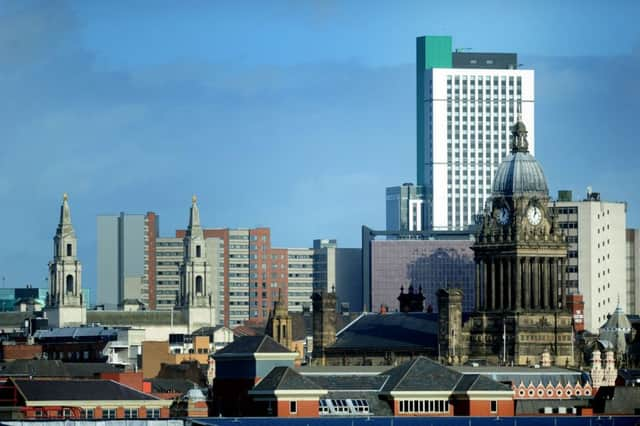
437,52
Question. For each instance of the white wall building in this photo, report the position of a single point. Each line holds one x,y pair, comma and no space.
466,104
596,266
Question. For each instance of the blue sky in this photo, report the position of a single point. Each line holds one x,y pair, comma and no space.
293,115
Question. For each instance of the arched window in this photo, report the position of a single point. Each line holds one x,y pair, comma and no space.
69,283
199,285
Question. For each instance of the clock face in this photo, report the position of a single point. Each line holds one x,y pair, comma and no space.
534,214
503,216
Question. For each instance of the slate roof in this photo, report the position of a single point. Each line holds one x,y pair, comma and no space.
527,375
252,345
181,386
91,333
478,382
136,318
351,383
421,374
397,331
54,368
617,400
207,331
285,378
78,390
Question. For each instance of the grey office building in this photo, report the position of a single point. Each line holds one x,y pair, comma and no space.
122,267
405,207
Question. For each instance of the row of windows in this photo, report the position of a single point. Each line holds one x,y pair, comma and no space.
343,406
107,413
424,406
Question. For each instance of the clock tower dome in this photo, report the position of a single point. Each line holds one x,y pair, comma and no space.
520,257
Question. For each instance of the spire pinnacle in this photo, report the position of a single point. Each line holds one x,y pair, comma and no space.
64,225
194,219
519,132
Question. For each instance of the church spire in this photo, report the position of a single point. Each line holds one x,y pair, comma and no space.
194,228
65,226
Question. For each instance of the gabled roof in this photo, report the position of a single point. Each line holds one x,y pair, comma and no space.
252,345
388,332
356,382
284,378
78,390
478,382
54,368
421,375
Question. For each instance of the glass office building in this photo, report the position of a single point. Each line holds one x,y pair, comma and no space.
426,264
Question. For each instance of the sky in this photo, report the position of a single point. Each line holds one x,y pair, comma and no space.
295,115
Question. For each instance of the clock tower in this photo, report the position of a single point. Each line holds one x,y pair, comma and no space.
520,257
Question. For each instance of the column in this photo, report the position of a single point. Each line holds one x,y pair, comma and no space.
535,265
483,291
501,284
517,284
526,302
563,282
508,303
554,284
545,283
492,300
477,284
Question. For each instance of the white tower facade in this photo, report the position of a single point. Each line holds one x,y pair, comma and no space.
196,286
65,306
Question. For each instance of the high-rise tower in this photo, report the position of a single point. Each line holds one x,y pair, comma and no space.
465,104
65,306
196,287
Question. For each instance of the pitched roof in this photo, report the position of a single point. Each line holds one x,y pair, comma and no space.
252,345
421,374
78,390
478,382
182,386
359,382
54,368
284,378
388,332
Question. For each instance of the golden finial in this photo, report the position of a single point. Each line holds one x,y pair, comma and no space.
65,196
194,199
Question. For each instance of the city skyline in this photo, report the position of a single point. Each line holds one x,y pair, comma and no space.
121,123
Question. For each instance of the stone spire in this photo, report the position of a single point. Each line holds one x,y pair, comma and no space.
64,226
194,229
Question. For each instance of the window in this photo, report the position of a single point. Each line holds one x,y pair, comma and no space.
199,291
494,406
293,407
108,413
86,413
130,413
198,251
66,413
69,251
69,283
153,413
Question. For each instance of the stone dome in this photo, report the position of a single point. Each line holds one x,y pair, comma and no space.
520,173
